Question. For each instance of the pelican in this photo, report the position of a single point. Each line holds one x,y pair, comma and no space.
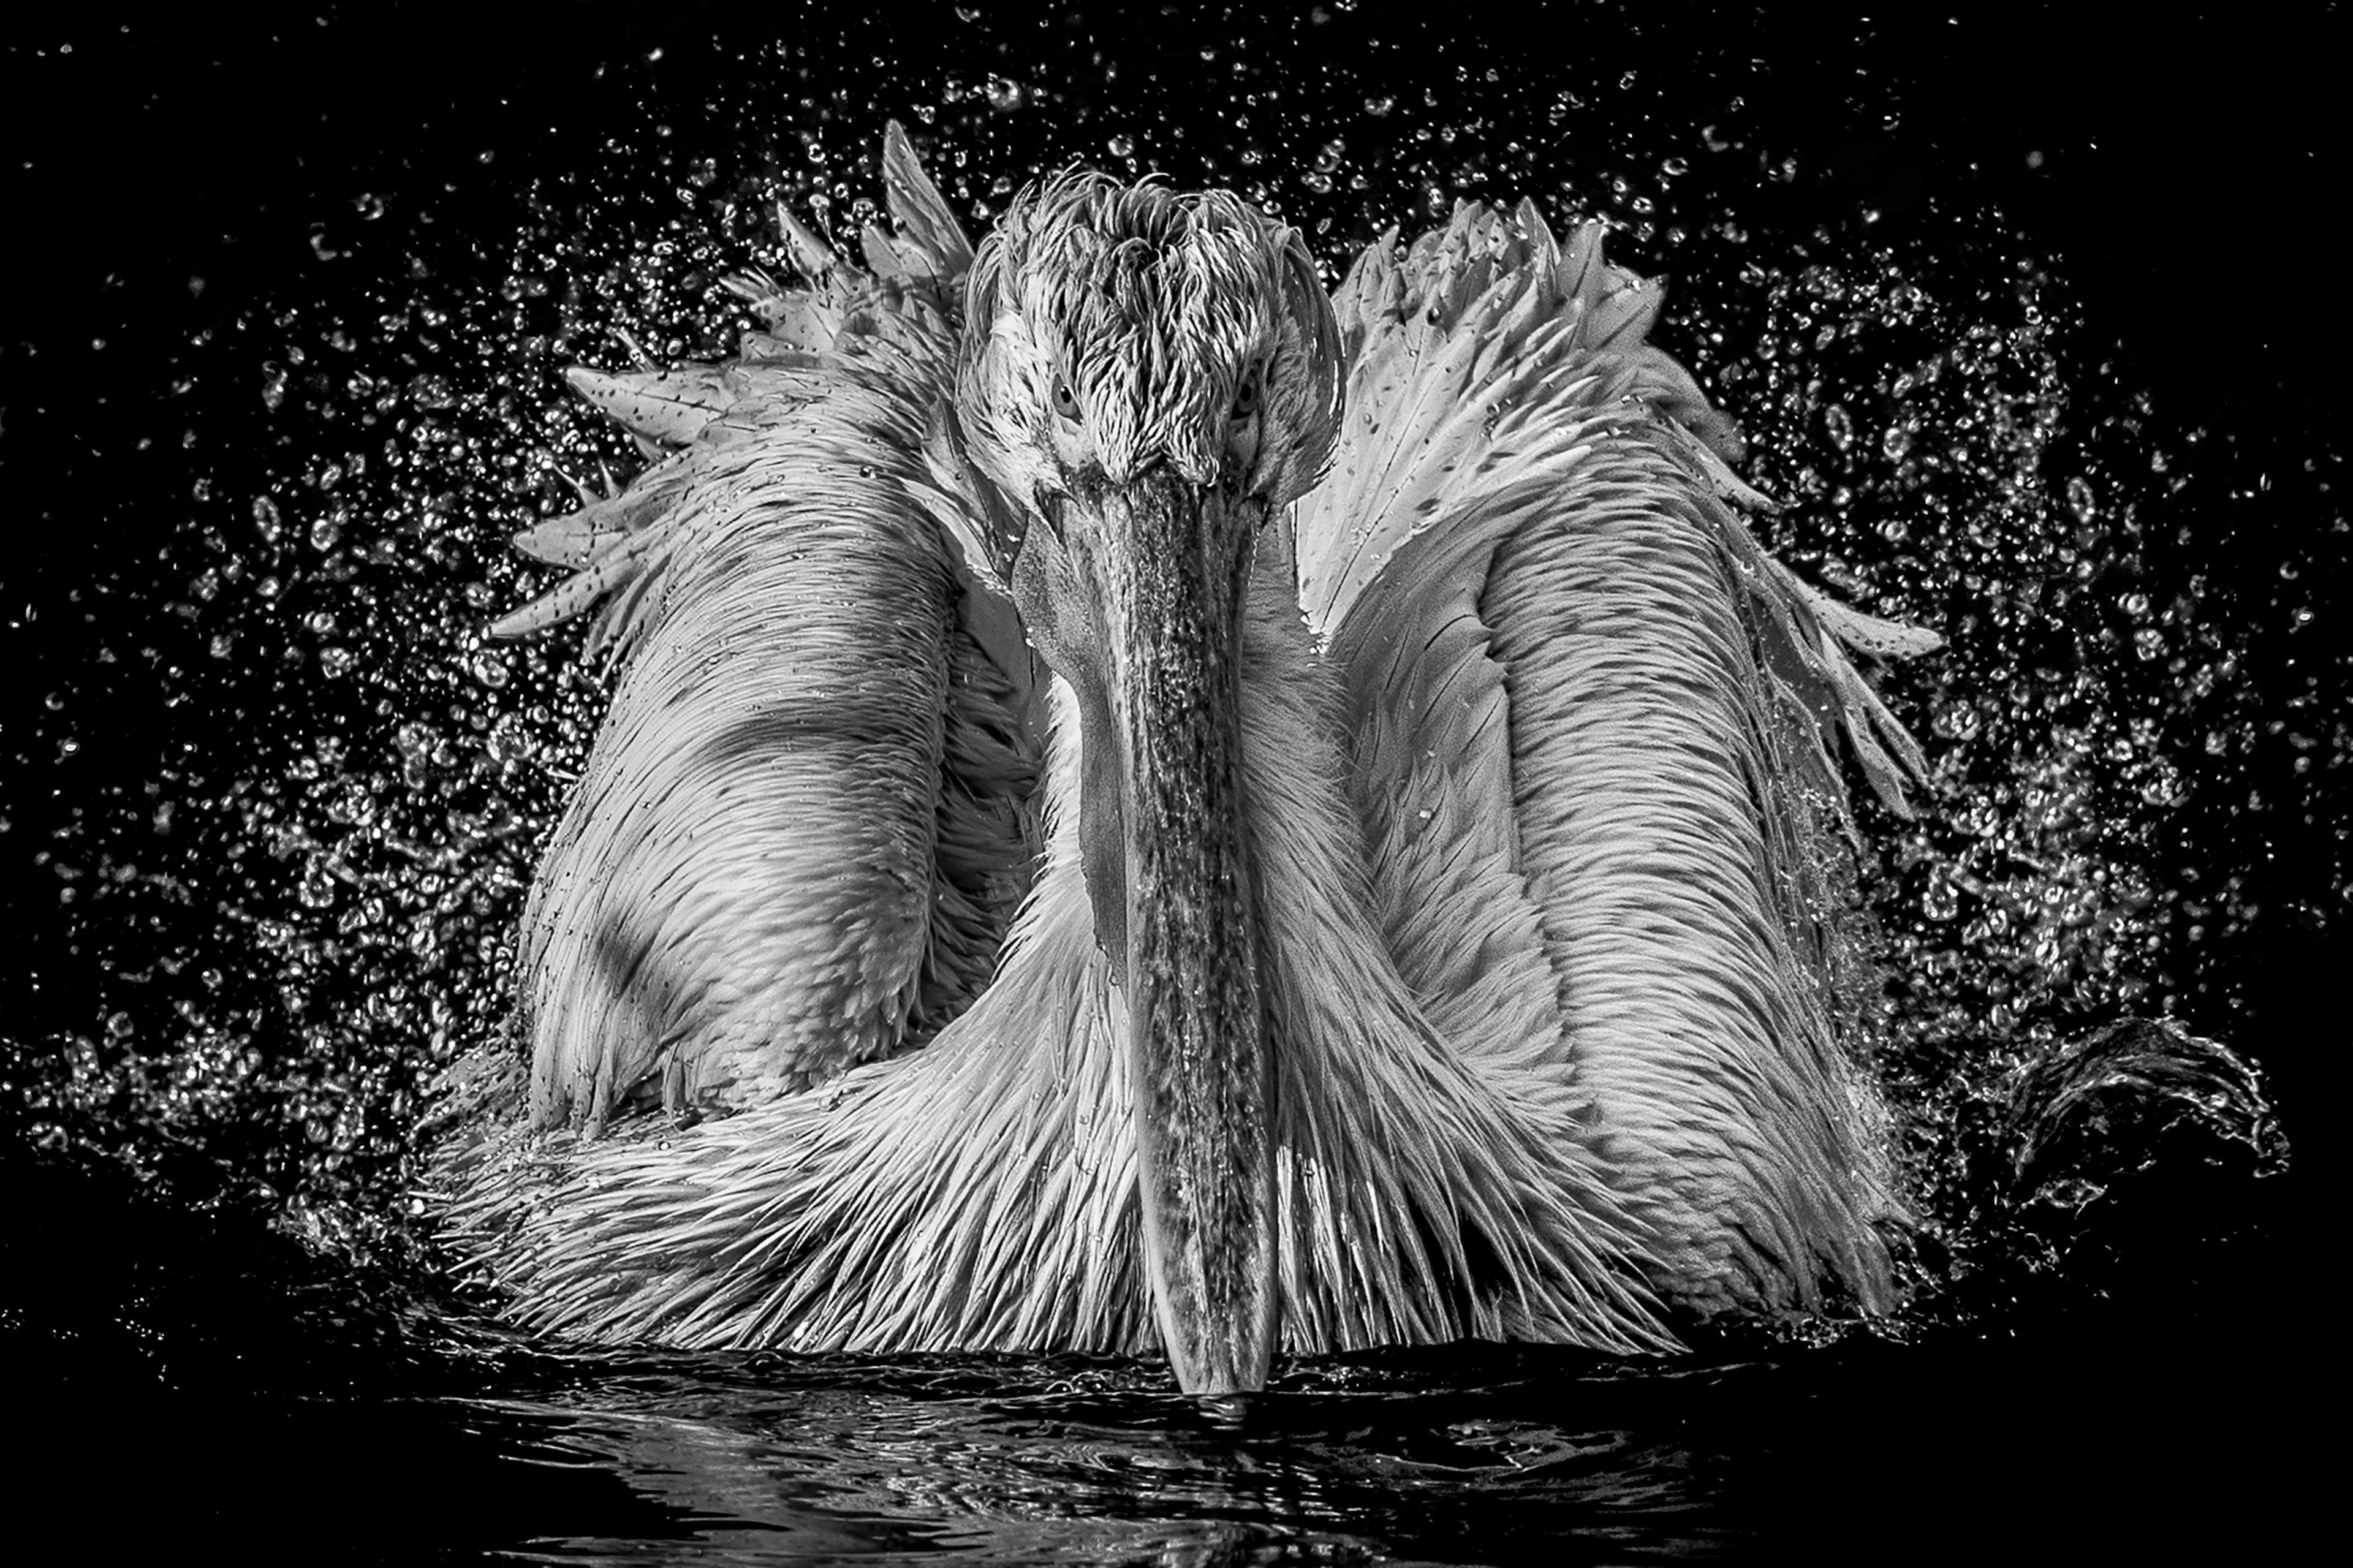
1147,804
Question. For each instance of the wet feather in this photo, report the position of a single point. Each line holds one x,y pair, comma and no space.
1541,748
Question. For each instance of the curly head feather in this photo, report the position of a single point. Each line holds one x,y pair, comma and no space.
1155,313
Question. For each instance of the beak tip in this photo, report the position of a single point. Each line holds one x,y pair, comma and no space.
1228,1412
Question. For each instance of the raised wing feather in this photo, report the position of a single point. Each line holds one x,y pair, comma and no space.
1595,729
807,819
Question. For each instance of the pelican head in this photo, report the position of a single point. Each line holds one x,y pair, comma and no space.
1152,378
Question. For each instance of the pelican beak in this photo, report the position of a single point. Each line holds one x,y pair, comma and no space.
1161,566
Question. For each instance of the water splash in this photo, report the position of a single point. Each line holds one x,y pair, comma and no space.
300,795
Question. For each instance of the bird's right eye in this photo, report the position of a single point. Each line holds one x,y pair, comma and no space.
1066,403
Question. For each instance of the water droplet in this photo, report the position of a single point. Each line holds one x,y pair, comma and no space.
2164,786
2079,499
1942,900
1839,426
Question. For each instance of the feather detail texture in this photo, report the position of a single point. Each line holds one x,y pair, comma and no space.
676,948
1543,762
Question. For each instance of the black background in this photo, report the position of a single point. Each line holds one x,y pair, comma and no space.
2188,172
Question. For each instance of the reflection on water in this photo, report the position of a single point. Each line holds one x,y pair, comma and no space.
276,797
1011,1461
1452,1457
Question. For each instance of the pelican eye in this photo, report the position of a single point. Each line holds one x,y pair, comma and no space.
1066,403
1246,396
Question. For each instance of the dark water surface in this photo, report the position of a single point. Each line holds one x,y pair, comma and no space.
2035,335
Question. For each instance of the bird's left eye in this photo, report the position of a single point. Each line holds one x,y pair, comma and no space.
1246,396
1066,403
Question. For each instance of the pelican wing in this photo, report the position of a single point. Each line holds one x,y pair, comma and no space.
807,819
1596,729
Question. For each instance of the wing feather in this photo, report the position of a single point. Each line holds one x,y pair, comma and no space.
807,817
1594,727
